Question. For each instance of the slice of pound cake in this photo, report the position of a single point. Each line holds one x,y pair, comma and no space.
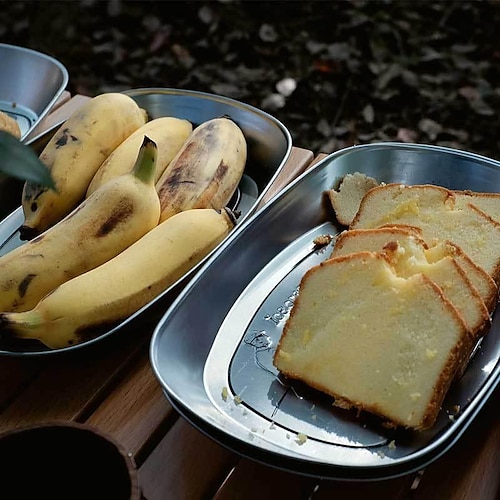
482,281
346,198
407,254
488,203
432,209
373,340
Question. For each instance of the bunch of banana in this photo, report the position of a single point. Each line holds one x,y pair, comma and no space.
73,156
76,311
206,171
168,133
114,217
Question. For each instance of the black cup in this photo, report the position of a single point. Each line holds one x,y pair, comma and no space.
62,460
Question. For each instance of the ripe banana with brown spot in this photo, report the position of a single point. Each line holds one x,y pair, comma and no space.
206,171
114,217
169,134
73,156
79,309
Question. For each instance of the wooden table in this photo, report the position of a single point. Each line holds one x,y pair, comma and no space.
113,389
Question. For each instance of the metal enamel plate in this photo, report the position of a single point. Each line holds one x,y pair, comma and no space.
269,146
212,350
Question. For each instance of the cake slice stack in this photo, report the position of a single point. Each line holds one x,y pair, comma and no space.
373,340
390,320
408,254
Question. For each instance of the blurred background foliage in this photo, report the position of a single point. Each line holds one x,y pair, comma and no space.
336,73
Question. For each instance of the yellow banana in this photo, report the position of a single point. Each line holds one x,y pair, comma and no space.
169,134
73,156
207,169
79,309
103,225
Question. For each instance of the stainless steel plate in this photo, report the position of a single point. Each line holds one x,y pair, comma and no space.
215,365
31,83
269,146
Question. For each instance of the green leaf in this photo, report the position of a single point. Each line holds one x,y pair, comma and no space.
20,161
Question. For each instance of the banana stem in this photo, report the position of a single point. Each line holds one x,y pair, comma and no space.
145,165
20,324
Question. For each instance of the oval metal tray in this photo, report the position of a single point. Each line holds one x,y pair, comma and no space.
212,352
269,147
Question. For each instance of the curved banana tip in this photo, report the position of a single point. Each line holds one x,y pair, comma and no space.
27,233
6,330
11,341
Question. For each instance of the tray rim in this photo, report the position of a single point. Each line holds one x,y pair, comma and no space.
295,465
210,428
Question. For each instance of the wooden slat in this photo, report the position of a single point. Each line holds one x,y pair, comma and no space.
15,375
69,386
297,162
61,112
250,480
62,99
390,489
471,469
136,410
185,465
317,159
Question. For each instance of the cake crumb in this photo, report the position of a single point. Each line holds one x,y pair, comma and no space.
224,393
392,445
237,400
301,439
322,240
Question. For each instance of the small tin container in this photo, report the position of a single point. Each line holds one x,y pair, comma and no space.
30,85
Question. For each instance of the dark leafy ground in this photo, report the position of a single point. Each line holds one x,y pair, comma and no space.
335,73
